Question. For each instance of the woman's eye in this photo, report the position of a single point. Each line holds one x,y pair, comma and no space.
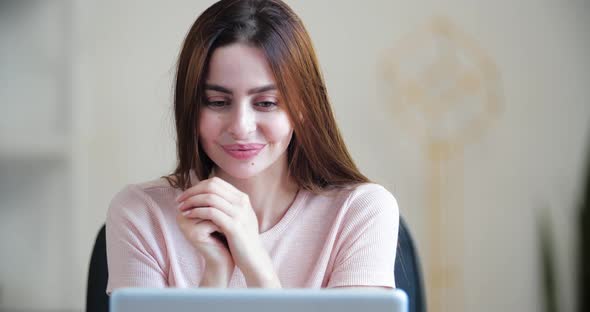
266,104
216,103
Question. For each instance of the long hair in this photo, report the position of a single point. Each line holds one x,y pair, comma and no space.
317,156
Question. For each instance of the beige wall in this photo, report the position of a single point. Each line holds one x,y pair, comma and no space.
530,157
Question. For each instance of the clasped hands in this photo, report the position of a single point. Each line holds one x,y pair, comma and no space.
214,205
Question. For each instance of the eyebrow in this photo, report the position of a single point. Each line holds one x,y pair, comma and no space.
219,88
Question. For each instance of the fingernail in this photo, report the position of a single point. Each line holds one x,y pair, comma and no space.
185,213
179,206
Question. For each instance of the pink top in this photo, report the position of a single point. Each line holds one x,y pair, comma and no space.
343,237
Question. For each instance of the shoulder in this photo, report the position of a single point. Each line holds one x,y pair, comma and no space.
365,200
362,194
368,200
370,192
144,198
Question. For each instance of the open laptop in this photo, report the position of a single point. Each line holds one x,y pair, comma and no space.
257,300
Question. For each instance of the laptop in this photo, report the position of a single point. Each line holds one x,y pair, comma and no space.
257,300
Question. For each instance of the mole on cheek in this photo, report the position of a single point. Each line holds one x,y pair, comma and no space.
252,164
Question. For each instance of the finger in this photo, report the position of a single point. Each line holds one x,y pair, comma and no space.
230,189
214,185
199,229
231,193
183,222
192,214
196,221
205,228
222,220
208,200
186,223
205,186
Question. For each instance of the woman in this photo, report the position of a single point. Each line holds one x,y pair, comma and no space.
265,193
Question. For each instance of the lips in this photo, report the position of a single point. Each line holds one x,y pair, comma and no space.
243,151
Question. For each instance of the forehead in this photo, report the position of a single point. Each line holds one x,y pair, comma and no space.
239,65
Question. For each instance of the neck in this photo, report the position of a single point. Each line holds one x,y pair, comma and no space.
271,193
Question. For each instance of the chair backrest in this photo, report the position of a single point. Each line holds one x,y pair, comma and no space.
408,274
98,275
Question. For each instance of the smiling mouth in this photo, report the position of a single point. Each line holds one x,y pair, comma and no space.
243,151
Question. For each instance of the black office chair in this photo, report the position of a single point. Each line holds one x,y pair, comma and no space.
408,274
98,275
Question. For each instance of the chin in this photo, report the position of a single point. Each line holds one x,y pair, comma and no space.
241,171
246,169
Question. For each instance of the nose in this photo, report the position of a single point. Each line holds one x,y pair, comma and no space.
242,121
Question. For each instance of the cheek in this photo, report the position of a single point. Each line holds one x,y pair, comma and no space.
209,125
278,130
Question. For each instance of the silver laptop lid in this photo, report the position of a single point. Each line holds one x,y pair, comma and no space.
257,300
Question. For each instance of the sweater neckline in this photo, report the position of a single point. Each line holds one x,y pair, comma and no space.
288,217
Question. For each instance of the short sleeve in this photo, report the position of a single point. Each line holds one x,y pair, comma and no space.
367,243
133,237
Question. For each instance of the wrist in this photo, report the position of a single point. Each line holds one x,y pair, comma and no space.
262,275
216,275
263,280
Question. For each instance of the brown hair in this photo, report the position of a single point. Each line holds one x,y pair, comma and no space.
317,156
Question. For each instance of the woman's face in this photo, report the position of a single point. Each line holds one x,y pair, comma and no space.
243,126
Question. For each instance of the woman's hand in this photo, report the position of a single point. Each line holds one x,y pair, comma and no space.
219,264
227,210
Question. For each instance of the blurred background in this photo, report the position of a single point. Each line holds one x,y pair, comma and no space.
474,114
